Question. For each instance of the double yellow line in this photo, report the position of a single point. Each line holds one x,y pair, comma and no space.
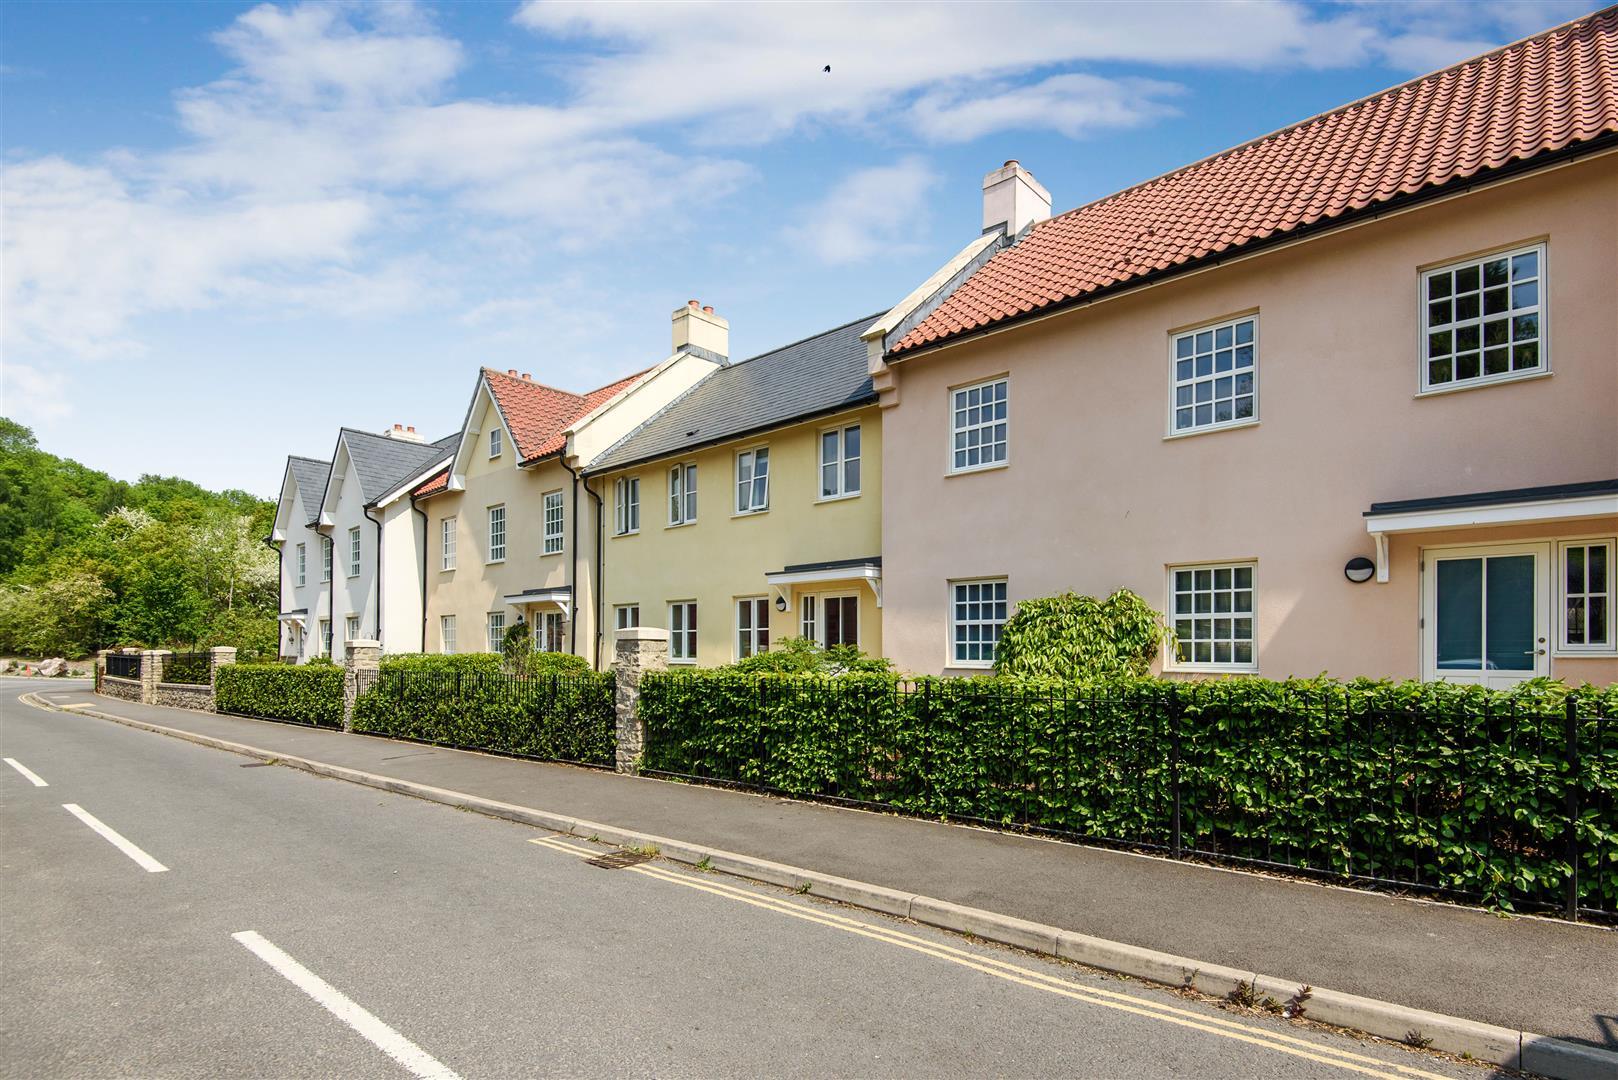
1037,980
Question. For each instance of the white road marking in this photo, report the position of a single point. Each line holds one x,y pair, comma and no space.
390,1042
147,863
33,778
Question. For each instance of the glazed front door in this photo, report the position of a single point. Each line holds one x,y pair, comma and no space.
1485,614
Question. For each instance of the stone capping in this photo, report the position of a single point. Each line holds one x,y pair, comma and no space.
642,633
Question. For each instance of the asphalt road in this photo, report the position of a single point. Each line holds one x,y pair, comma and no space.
229,919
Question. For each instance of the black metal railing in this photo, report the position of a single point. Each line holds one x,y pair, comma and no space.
186,667
123,665
1511,800
569,718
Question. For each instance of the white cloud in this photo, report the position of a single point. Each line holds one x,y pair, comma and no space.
870,212
1075,105
30,396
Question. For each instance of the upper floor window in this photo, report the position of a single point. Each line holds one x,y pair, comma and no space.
752,626
497,534
1213,615
354,551
1215,373
1482,320
496,442
325,558
978,426
1588,596
626,505
446,544
303,556
753,481
840,462
977,612
553,522
682,494
683,632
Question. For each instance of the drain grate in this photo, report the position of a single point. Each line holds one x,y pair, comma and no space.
255,765
617,860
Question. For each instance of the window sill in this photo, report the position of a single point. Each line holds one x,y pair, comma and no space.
1564,653
839,498
681,524
631,532
551,554
1211,429
1479,384
1210,669
682,663
978,469
493,562
969,665
750,513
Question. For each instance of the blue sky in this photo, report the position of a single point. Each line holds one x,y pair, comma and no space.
230,228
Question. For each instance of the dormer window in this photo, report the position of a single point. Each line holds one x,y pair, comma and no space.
495,443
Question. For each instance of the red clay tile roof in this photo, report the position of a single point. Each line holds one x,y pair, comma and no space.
537,415
1539,95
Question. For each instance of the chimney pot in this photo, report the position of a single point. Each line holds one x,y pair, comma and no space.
511,371
527,377
396,427
695,325
707,309
410,427
1013,199
692,303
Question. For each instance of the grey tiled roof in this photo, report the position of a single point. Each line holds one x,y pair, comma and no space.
382,464
817,375
310,475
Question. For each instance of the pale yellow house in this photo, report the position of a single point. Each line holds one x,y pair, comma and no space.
749,509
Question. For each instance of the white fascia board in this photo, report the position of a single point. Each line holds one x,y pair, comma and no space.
921,293
1462,517
334,482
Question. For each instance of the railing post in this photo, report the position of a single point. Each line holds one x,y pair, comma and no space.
218,657
1571,803
151,673
362,659
638,649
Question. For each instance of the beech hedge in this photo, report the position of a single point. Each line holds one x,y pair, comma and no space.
303,693
1454,789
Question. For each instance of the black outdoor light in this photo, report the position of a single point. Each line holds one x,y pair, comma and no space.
1359,569
781,603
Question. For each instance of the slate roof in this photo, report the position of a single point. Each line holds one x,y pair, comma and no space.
382,464
1528,100
310,474
819,374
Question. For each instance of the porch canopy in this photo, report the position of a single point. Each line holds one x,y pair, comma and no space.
299,616
1514,506
868,570
560,595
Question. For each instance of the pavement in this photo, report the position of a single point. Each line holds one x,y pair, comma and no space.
1541,975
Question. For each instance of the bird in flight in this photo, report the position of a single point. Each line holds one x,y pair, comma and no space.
828,68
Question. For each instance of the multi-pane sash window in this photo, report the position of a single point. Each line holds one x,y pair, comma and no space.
497,535
978,426
446,544
626,616
683,632
1481,319
977,612
446,633
1213,614
351,628
626,505
495,442
553,522
1588,596
842,614
325,558
303,558
325,637
840,462
752,626
354,552
548,632
1215,369
753,481
497,630
808,618
682,494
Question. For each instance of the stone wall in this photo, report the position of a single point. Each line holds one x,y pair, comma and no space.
126,689
184,696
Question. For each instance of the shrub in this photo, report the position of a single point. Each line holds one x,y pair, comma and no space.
487,663
308,693
801,656
1081,638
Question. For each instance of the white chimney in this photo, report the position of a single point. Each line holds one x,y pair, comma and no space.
699,326
1013,199
404,434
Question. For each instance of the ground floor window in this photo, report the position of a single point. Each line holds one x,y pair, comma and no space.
1213,614
977,612
752,626
842,615
497,630
446,633
325,637
809,618
1588,595
683,632
626,616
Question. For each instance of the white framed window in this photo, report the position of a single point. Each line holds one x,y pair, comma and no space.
752,626
553,522
753,481
1212,611
841,616
497,534
446,634
809,618
351,628
626,616
325,637
979,425
1483,320
446,544
840,462
547,635
496,442
303,563
683,632
1215,376
977,612
1589,594
626,506
325,558
354,552
497,630
682,495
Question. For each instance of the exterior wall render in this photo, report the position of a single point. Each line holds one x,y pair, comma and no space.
312,596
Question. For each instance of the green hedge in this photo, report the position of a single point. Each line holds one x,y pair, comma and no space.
466,701
539,663
1438,786
306,693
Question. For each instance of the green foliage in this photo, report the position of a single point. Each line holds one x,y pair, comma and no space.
306,693
1454,787
801,656
1080,638
515,646
467,701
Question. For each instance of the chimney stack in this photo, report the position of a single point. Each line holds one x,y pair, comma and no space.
695,325
404,434
1013,199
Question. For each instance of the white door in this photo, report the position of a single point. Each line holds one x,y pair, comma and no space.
1486,613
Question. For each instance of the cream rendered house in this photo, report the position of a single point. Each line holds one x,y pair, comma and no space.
305,557
1342,399
512,532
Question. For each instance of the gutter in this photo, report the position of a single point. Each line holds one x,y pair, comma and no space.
573,559
425,522
366,510
601,569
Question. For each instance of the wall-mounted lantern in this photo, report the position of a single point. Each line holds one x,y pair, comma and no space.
1359,569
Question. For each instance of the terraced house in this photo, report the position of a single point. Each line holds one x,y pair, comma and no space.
1344,397
306,558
